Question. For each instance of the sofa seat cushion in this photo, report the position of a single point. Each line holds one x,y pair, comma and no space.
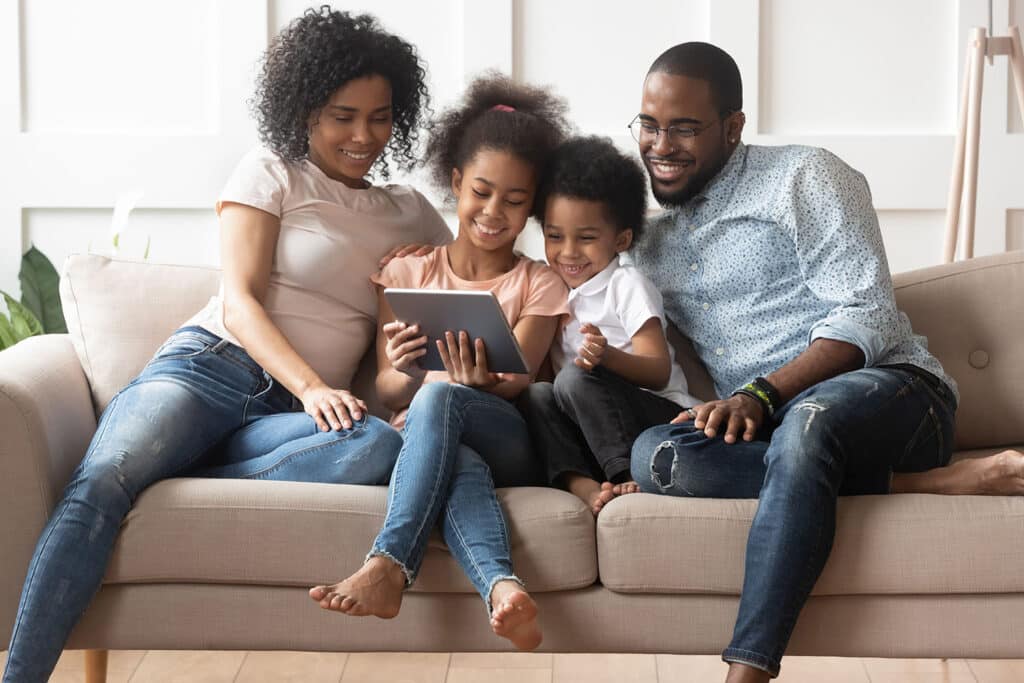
907,544
300,534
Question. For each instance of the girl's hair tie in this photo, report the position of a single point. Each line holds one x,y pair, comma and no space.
502,107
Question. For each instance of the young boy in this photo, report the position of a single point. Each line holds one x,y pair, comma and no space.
616,374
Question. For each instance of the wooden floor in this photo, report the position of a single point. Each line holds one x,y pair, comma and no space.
308,667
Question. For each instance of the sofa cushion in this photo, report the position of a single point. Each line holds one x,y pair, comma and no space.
911,544
972,313
299,534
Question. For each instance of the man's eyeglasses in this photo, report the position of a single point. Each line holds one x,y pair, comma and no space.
645,132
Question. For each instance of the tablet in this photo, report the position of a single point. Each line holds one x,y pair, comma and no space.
437,311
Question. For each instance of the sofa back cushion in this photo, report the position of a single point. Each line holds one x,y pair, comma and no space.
119,312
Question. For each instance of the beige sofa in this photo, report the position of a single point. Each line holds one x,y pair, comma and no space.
203,564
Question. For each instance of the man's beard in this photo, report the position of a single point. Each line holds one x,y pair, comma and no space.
692,188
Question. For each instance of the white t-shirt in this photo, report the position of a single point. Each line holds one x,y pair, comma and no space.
618,300
331,240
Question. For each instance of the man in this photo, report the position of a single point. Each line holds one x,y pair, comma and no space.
771,261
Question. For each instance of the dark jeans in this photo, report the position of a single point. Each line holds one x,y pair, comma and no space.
844,436
586,422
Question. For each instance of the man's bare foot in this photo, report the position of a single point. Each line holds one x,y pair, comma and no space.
374,590
1001,474
595,495
514,615
626,487
741,673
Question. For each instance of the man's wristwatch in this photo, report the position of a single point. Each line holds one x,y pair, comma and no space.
762,391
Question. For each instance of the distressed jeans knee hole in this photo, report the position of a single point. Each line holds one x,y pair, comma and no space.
663,464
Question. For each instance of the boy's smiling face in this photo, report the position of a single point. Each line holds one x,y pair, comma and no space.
579,238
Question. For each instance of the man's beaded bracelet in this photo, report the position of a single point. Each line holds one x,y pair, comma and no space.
762,391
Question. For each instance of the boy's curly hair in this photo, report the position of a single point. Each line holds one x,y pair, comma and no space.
536,125
320,52
593,168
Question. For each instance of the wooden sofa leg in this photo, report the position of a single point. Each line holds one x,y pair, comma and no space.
96,666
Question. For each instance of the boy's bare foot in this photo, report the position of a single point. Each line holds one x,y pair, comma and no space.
376,589
626,487
1001,474
514,615
595,495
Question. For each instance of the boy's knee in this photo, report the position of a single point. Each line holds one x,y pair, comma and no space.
572,384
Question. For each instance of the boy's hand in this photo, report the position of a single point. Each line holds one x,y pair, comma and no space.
404,347
466,361
592,351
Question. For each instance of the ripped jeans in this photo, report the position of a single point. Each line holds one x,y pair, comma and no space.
201,407
844,436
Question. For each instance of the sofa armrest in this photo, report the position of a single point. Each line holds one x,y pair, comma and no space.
46,422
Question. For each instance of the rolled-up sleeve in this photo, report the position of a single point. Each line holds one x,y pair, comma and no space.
842,259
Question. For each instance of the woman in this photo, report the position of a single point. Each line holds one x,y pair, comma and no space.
301,232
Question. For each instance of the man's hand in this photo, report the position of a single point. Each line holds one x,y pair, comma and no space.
738,414
594,343
466,361
405,250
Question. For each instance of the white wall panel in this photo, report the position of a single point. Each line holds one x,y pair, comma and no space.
1015,228
118,65
1013,114
849,67
909,236
596,54
186,236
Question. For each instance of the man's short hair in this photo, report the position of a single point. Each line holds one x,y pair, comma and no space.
705,62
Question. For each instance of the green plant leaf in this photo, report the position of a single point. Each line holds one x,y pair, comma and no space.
6,333
24,323
40,292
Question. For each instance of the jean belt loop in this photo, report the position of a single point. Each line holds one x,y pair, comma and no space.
219,346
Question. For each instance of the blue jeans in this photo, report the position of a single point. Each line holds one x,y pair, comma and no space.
201,407
458,443
844,436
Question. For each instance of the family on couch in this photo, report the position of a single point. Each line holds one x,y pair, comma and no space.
769,259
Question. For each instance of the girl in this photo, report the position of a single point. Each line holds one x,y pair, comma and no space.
460,428
301,231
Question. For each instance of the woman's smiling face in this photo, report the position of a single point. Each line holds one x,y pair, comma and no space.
350,132
494,192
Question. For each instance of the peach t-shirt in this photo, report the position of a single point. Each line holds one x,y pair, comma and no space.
530,288
331,240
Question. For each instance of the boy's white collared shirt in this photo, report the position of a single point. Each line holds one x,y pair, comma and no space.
618,301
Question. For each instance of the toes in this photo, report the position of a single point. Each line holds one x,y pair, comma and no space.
318,592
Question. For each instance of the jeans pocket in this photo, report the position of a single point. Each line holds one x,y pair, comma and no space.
180,347
927,447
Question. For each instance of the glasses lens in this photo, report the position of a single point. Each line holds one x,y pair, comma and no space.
636,129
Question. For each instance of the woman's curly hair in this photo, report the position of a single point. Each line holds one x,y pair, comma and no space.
320,52
592,168
535,126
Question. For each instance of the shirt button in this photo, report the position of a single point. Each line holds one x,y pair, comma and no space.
693,267
705,305
692,228
719,351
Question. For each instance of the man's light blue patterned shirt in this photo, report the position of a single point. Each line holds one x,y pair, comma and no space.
781,248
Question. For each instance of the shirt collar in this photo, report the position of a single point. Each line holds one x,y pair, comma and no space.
721,186
598,283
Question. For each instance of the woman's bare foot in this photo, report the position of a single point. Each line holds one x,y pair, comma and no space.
595,495
626,487
514,615
374,590
1001,474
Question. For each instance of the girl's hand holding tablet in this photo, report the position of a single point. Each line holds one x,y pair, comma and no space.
466,361
404,347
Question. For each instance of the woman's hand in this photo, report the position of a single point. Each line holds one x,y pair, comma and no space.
740,414
332,408
406,250
404,347
594,343
466,362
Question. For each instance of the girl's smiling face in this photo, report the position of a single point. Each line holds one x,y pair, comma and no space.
494,194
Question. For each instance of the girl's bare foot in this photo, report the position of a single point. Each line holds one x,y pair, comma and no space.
376,589
626,487
514,615
595,495
1001,474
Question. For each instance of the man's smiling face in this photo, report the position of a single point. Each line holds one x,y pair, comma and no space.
680,167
